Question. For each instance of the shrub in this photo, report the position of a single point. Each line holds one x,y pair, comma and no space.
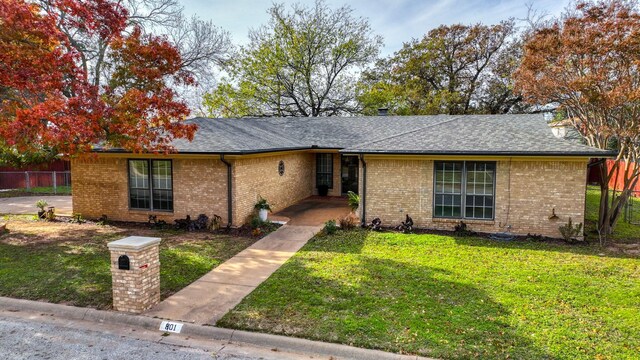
354,200
535,237
255,222
50,214
376,224
461,230
569,231
406,226
348,222
330,227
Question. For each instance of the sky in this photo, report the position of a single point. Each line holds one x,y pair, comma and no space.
397,21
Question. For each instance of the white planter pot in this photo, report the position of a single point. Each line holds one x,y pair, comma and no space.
263,214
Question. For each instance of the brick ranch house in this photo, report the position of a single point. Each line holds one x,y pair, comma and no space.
495,172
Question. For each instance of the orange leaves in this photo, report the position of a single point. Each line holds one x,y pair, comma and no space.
590,58
145,60
47,99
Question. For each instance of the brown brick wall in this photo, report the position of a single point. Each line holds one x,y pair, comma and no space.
100,186
526,194
258,176
137,289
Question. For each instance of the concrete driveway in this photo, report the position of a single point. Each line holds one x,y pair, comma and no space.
27,204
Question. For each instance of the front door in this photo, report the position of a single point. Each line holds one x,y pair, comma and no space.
349,174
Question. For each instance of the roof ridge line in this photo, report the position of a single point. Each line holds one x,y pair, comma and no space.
457,117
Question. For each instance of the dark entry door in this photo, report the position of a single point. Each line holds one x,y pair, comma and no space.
349,174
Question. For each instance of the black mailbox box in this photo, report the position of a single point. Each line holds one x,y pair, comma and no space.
123,262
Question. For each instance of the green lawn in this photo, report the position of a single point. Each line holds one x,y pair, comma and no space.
37,191
69,263
449,297
623,232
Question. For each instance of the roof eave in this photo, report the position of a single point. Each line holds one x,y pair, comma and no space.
607,154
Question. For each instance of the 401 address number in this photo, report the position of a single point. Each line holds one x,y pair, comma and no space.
171,327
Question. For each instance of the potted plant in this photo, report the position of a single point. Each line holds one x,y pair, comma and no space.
263,208
41,204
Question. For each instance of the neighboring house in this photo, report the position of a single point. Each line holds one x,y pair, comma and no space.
494,172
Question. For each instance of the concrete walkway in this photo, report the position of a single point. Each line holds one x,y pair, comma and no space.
207,299
27,204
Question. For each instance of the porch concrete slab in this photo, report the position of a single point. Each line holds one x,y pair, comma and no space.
315,210
206,300
26,205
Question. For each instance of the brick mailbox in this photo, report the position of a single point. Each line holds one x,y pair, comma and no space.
135,273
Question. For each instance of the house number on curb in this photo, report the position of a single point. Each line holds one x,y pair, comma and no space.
171,327
281,168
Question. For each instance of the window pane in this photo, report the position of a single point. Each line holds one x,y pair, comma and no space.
448,189
324,170
161,174
162,200
139,174
479,190
139,199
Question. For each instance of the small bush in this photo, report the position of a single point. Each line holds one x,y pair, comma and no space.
535,237
376,224
461,230
406,226
256,222
330,227
50,214
77,218
348,222
261,227
569,231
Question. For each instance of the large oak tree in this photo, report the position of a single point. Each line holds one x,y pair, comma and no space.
304,62
456,69
589,62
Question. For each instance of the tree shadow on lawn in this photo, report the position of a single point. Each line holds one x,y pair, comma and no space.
382,304
57,273
78,272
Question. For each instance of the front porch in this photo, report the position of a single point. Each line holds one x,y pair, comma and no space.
313,211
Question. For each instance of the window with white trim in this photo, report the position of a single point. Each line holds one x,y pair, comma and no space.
464,189
151,185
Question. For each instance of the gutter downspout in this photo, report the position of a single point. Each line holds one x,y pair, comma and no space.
229,191
363,196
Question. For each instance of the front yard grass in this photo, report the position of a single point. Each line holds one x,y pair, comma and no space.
448,297
36,191
624,232
69,263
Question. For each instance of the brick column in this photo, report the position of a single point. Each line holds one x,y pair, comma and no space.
138,288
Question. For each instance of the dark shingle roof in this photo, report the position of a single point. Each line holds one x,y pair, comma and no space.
438,134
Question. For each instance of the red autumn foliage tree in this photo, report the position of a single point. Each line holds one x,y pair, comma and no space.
51,98
589,63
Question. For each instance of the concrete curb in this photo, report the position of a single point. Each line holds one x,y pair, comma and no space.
282,343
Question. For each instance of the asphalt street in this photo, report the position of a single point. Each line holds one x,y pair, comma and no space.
44,337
